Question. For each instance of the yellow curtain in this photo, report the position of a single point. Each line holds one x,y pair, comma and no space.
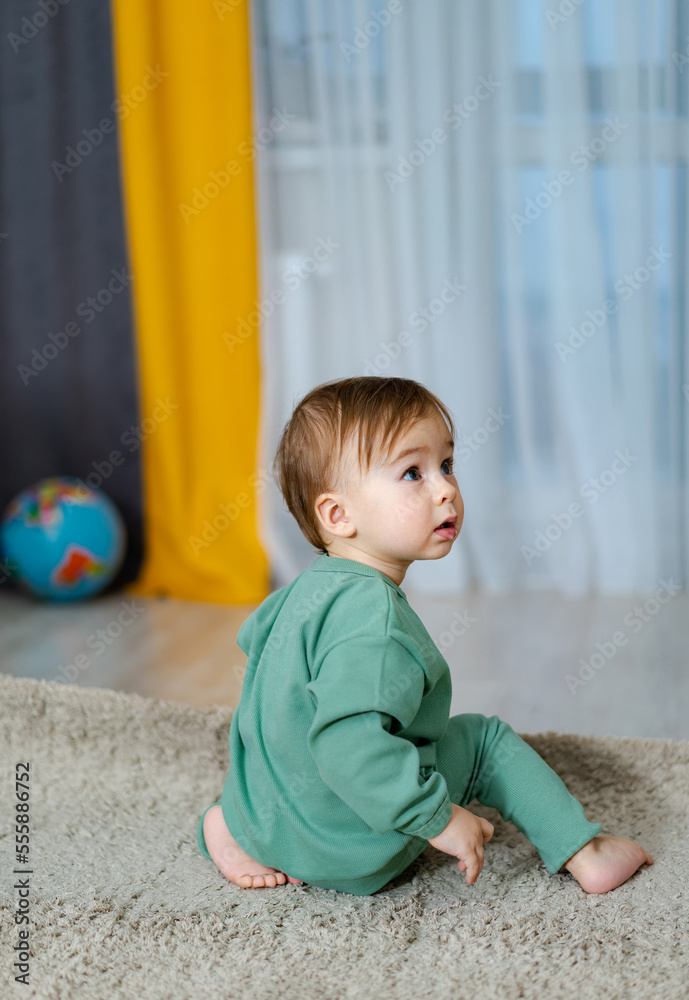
184,111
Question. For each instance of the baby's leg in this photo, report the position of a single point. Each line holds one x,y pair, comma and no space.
234,863
483,758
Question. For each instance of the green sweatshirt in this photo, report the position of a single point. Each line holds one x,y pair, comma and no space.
332,750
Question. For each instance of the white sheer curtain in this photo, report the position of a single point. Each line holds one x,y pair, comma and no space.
490,196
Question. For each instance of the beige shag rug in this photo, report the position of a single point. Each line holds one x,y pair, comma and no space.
122,904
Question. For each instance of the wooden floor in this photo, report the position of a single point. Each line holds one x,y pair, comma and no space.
525,656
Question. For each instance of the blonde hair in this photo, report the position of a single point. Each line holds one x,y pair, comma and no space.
309,457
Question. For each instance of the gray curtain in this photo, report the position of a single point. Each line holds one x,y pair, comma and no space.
68,381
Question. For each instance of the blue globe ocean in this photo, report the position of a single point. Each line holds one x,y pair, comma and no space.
61,540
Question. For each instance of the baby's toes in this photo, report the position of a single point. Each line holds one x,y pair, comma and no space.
275,878
266,880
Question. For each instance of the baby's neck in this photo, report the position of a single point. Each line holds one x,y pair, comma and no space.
395,570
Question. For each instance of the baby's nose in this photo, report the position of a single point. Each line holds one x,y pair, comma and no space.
446,492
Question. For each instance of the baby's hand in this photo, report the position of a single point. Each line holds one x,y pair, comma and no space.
464,837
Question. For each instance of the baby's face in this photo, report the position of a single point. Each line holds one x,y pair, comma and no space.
399,506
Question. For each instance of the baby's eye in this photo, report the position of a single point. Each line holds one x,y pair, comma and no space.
450,462
414,470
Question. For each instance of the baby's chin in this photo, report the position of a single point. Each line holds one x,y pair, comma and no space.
438,555
439,552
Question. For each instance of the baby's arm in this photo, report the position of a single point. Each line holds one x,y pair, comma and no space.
463,838
365,691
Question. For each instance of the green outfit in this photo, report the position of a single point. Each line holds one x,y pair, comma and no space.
344,760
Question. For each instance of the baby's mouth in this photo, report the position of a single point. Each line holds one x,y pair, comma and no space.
447,529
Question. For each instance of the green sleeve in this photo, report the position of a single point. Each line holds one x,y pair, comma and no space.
366,690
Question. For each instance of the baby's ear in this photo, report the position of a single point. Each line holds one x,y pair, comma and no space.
333,516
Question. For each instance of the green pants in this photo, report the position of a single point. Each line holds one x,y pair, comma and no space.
483,758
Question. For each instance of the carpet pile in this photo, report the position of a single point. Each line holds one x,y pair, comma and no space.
122,904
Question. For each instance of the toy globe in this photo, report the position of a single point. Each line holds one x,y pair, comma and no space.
62,540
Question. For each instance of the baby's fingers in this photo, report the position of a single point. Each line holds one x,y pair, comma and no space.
487,829
472,864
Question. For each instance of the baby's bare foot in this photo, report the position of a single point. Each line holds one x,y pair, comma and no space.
606,862
234,863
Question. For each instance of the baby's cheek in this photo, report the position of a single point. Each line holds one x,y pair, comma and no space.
408,513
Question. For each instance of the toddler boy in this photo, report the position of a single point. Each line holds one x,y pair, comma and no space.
344,760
